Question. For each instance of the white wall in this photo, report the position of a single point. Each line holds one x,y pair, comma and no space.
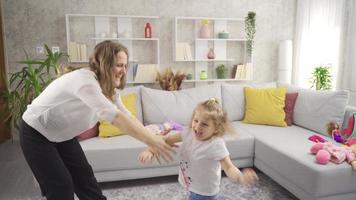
32,23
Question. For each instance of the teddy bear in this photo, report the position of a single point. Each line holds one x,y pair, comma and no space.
325,152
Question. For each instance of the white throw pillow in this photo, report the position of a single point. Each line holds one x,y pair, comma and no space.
314,109
160,106
233,99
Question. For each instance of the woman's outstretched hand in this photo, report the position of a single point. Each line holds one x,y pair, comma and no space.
161,149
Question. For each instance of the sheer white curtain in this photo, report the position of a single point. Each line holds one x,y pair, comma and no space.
348,77
317,40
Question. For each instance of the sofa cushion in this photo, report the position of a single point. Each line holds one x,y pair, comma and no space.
291,98
137,91
233,98
160,106
106,129
265,106
286,151
314,109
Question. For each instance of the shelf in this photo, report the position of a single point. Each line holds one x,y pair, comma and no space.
207,60
221,39
212,18
126,39
119,16
133,82
215,80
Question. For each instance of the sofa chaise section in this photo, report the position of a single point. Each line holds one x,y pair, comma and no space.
283,154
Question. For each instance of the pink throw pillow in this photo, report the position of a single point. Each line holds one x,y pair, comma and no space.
92,132
289,107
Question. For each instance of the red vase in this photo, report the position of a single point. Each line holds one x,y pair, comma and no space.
148,30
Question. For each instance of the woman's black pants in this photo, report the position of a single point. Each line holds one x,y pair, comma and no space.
60,168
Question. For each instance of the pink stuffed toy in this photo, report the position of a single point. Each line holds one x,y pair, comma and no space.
326,152
165,127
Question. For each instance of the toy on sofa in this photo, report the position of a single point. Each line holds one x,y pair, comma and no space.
347,135
325,152
164,127
334,132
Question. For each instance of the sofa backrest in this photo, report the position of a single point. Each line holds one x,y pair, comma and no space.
159,106
233,98
314,109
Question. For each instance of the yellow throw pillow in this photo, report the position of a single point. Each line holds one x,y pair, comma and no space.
106,129
265,106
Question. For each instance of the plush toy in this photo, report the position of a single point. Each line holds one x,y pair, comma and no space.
164,127
326,152
334,132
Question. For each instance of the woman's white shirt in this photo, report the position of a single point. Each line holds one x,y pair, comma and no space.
70,105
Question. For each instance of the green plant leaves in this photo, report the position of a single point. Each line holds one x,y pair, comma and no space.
321,78
250,30
29,82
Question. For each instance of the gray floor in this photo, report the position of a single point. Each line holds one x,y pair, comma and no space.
17,183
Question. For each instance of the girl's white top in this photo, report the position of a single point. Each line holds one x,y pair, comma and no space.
70,105
200,169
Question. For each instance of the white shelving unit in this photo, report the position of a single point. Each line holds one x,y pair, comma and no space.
230,51
84,31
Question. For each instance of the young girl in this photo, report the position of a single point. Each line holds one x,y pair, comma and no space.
203,153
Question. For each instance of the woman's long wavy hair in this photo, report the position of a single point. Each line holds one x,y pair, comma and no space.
102,62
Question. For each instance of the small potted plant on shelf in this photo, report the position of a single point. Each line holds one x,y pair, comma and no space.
221,71
26,84
250,30
321,78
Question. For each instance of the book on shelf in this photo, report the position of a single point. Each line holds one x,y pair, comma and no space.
146,73
131,72
77,52
243,71
183,51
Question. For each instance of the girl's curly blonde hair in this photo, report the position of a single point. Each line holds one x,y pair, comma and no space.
214,112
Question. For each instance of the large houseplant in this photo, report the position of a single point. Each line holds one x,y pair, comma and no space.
250,30
321,78
28,83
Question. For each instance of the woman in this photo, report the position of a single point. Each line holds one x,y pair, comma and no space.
68,106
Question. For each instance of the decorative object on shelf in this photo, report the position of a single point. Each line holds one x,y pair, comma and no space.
170,81
103,35
148,30
114,35
211,54
321,78
29,82
250,29
221,71
203,75
223,35
189,76
204,31
124,34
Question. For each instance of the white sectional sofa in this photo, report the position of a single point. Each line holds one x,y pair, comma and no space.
280,152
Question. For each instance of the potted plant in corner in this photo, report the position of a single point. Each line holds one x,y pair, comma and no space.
221,71
250,30
321,78
26,84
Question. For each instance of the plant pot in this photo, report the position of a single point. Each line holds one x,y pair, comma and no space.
221,74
